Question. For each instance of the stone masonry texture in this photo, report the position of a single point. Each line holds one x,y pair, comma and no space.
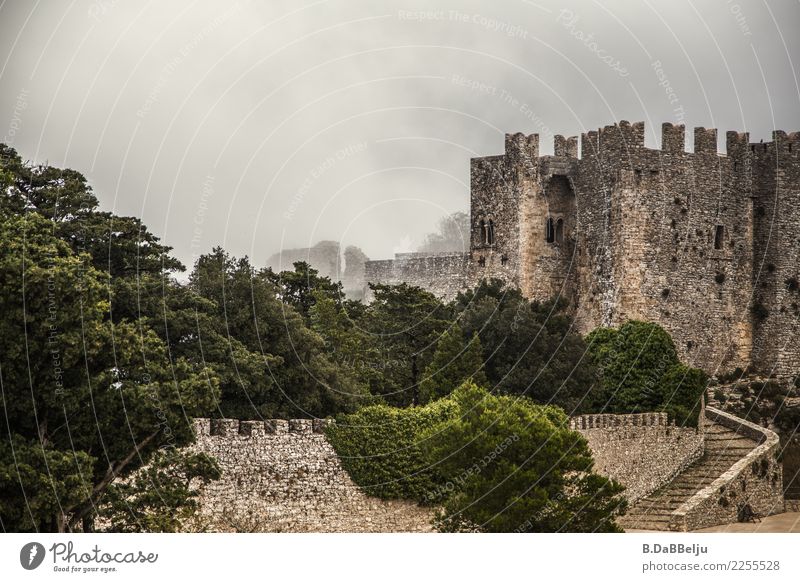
641,451
284,476
706,244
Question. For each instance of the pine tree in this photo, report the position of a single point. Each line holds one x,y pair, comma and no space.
453,363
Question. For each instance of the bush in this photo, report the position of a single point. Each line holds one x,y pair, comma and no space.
515,466
495,463
640,372
380,449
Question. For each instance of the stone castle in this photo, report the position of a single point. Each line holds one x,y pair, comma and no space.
703,243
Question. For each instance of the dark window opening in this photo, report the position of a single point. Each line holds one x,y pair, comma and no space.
482,261
560,231
752,148
549,231
482,227
503,260
719,235
735,166
490,233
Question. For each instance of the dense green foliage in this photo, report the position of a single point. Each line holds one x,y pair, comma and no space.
79,384
160,497
380,448
404,323
454,362
529,348
105,357
495,463
516,466
640,371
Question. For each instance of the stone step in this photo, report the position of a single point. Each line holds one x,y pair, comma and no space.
723,448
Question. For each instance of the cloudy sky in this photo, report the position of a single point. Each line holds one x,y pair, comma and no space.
261,125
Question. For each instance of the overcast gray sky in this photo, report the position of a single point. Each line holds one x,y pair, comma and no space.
260,125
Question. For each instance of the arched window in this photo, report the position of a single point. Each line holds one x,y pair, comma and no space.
490,232
482,231
560,230
549,231
719,236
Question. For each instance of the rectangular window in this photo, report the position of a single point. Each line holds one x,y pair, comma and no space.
719,236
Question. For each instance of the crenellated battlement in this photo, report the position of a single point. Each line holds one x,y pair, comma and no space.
565,146
622,136
703,242
591,421
673,138
520,145
626,138
225,427
705,141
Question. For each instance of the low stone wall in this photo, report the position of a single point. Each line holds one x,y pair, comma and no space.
641,451
284,476
755,479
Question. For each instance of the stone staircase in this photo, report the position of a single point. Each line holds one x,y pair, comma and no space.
723,448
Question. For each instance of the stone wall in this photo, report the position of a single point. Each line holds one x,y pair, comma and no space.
444,274
705,244
641,451
763,400
754,479
323,256
284,476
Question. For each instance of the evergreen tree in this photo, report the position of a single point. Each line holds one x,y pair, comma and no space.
453,363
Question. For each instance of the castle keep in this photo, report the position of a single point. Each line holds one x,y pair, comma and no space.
703,243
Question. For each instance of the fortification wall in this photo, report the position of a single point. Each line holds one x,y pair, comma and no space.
284,476
705,244
323,256
681,239
641,451
444,274
776,199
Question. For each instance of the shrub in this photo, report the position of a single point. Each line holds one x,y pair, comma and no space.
494,463
379,448
516,466
640,372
